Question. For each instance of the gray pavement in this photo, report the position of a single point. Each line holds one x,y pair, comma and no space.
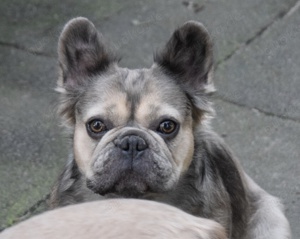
257,48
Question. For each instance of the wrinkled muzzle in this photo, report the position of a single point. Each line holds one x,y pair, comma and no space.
133,163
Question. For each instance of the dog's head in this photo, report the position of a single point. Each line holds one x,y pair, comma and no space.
133,129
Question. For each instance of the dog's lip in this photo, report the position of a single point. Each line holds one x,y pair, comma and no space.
127,181
113,192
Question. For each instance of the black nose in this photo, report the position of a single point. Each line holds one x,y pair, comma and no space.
132,145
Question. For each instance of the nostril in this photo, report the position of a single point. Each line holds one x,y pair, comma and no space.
141,145
124,145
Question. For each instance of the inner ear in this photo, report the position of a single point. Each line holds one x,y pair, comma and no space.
188,57
81,51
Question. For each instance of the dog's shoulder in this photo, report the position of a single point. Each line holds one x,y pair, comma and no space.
217,159
222,171
253,209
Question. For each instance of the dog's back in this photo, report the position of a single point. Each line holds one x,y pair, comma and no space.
116,219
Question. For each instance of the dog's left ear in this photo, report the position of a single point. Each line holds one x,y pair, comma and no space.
81,52
188,58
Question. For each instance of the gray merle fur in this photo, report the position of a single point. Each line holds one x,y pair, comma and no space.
213,186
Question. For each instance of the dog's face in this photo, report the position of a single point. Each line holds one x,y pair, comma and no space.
132,133
133,129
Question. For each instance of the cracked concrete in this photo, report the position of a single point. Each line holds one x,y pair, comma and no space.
22,48
219,97
259,87
260,32
257,76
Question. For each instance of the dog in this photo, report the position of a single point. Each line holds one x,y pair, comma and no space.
116,219
146,134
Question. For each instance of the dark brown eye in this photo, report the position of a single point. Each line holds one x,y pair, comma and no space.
96,126
167,127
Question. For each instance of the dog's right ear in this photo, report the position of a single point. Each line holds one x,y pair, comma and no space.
81,53
188,59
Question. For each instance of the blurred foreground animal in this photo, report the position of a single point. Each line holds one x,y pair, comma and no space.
145,133
116,219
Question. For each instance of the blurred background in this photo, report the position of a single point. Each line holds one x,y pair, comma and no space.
257,62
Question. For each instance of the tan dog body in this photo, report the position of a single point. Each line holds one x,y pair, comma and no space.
116,219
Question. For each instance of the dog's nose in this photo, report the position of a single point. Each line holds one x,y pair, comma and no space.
132,145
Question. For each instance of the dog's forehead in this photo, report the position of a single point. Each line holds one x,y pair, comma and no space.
142,95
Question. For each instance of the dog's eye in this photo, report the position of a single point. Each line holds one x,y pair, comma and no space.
96,126
167,127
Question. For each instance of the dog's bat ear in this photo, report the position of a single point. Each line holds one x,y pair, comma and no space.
188,58
81,52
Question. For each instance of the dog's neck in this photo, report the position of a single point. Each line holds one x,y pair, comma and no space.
213,186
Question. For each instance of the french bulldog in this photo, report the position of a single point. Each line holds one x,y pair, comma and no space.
116,219
146,134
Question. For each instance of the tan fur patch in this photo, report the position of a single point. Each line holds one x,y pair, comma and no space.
83,149
114,106
151,109
183,147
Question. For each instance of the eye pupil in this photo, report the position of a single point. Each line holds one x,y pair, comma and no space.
167,127
97,126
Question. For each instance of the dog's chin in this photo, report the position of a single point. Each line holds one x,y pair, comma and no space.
129,186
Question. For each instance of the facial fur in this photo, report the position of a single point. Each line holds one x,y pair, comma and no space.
133,103
132,155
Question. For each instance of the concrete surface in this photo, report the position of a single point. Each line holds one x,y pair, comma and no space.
257,77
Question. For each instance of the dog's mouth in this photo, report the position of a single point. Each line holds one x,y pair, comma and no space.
127,177
129,185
